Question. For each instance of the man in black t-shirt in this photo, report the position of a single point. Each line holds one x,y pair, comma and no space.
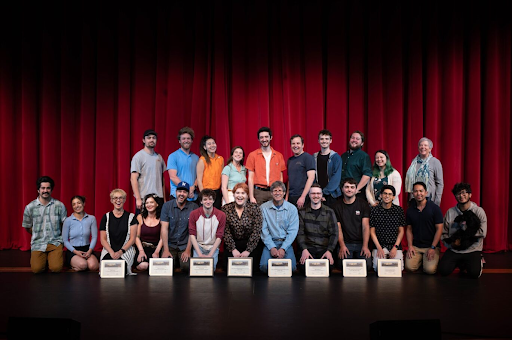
353,215
328,169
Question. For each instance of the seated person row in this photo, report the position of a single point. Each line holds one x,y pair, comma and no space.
464,230
118,231
80,234
318,230
148,242
387,224
244,220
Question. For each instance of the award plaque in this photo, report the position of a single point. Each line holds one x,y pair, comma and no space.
354,268
389,267
317,268
240,266
112,269
279,268
201,266
160,267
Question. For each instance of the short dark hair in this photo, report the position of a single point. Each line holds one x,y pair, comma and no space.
458,187
324,132
45,179
420,183
184,130
81,198
315,185
264,129
390,187
348,180
207,193
297,136
360,133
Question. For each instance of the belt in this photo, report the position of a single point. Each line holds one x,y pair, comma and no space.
261,188
279,240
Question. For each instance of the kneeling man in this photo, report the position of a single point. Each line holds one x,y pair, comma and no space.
465,227
43,218
424,227
318,229
280,227
387,224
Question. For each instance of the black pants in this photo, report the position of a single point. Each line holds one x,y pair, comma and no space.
241,246
316,255
471,262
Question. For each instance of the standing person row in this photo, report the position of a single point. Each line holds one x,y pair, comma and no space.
233,173
427,169
265,166
147,168
209,168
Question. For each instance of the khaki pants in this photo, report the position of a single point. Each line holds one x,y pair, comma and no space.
262,196
414,263
53,255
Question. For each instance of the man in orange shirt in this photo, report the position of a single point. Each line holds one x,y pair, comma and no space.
265,166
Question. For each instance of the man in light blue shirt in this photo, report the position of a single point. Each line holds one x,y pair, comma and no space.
182,163
280,227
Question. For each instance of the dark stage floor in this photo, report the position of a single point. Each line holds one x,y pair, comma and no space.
297,307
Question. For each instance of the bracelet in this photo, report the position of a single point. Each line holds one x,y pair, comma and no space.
124,251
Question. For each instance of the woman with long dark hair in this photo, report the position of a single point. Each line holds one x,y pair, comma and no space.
209,168
148,241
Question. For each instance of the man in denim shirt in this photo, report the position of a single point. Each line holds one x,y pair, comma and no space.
43,218
280,227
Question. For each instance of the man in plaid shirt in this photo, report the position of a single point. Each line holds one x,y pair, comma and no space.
43,218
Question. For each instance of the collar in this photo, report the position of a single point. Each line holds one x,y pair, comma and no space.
284,206
76,219
52,201
350,151
260,152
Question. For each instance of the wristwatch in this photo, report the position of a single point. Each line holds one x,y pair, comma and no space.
396,246
432,247
124,251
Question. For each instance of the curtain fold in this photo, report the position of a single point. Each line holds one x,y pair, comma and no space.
79,86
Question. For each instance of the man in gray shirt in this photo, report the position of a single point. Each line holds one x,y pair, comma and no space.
147,170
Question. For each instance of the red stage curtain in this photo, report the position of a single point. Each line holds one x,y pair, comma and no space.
79,85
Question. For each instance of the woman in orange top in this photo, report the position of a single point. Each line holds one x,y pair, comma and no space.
209,169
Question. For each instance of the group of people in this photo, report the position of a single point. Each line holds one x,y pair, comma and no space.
331,207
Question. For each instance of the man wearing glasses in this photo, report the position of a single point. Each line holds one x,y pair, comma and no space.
280,227
464,230
318,229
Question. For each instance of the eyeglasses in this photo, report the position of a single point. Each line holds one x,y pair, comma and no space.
277,191
387,194
118,198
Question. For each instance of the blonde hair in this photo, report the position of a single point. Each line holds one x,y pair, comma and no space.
117,191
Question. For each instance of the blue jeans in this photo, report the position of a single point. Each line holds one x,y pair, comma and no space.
354,250
265,256
206,252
